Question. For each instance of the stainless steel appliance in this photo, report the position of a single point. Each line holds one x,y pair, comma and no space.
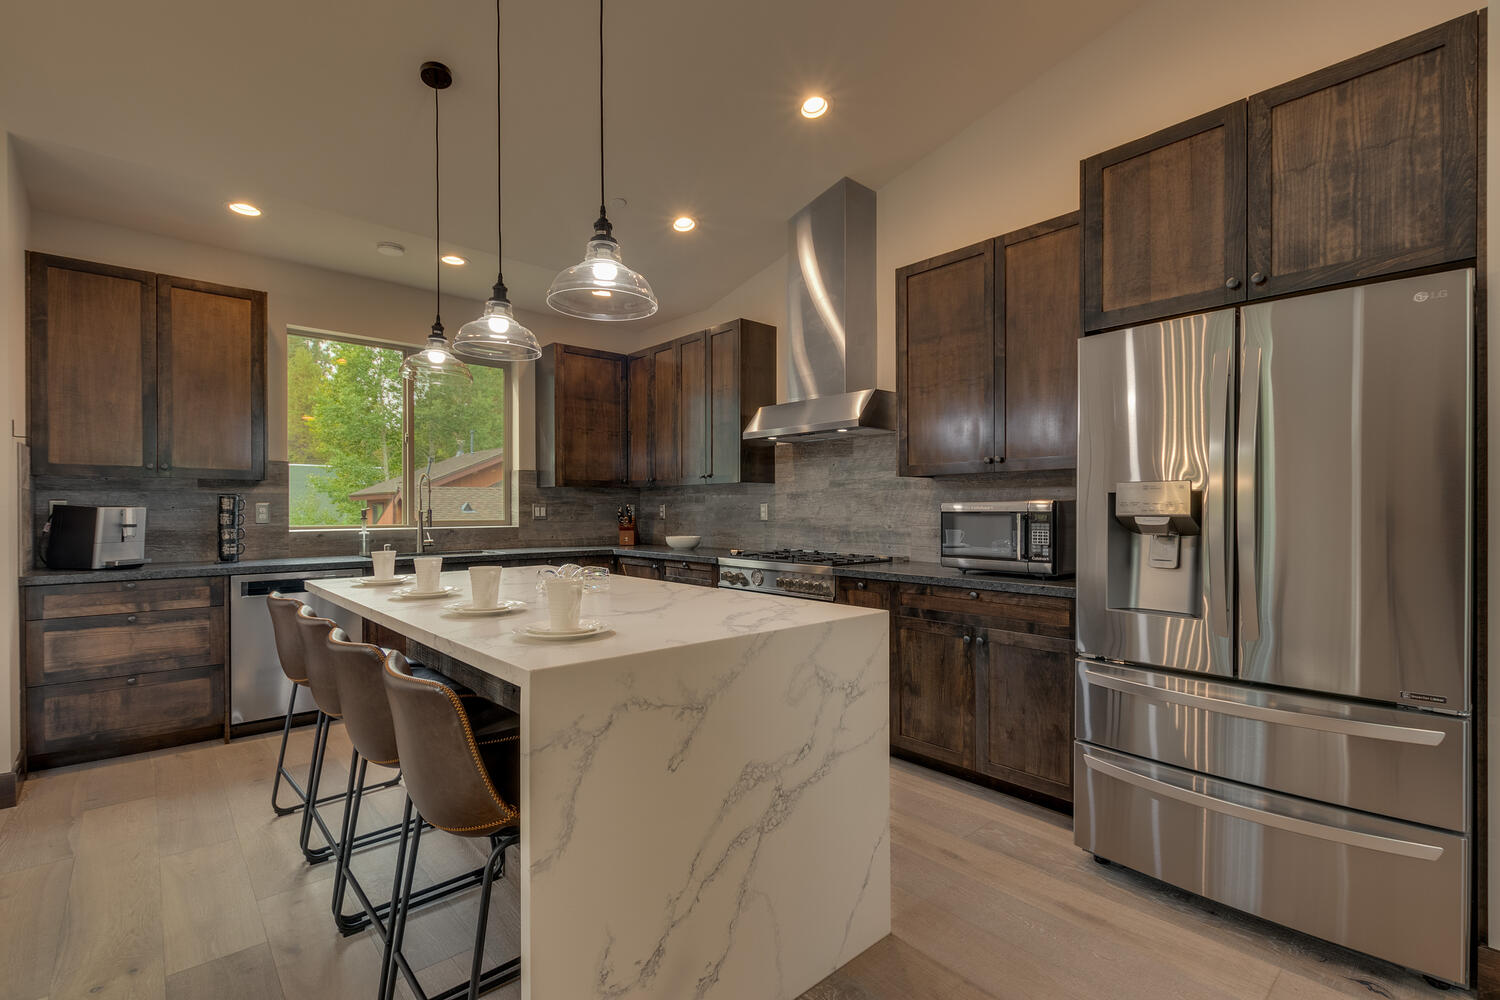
257,687
1274,611
787,572
77,536
1032,537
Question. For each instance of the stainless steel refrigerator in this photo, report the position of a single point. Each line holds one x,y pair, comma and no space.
1274,611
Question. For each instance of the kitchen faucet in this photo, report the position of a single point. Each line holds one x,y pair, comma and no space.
424,514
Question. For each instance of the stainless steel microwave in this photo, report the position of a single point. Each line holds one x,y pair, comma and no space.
1031,537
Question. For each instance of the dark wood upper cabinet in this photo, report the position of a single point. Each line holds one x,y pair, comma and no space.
581,417
1368,167
211,380
666,414
1036,292
946,363
143,372
91,367
1164,222
1024,710
693,400
987,355
638,392
741,379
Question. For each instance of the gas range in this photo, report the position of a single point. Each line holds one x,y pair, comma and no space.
787,572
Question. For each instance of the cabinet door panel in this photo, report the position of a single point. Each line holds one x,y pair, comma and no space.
89,720
91,366
934,683
945,362
639,395
211,346
1038,292
591,418
1367,167
694,409
666,415
1024,710
1164,222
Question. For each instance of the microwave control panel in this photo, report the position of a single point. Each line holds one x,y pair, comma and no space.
1039,537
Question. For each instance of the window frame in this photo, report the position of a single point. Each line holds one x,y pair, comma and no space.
409,473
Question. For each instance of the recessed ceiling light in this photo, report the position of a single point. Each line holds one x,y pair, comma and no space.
684,223
454,259
815,107
389,248
243,208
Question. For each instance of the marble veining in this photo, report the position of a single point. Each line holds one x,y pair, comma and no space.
704,792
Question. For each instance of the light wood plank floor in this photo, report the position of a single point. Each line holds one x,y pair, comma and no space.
167,876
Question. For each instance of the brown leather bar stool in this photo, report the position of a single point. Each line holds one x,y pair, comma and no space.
289,653
312,632
358,668
459,783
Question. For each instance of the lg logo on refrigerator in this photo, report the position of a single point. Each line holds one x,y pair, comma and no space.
1441,293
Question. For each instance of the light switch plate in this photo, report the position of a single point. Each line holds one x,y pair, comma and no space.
263,512
661,512
765,512
539,512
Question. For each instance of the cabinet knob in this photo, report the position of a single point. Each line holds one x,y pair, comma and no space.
1257,278
150,465
968,639
860,585
131,619
973,595
989,460
165,468
130,586
1232,283
979,640
130,681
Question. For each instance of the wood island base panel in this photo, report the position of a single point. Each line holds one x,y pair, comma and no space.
704,793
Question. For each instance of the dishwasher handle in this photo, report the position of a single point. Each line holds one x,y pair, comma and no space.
262,588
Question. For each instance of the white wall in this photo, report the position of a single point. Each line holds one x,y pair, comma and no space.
13,235
303,296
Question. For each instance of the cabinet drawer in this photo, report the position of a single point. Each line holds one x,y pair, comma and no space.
865,593
644,569
78,649
699,574
127,597
1049,616
103,718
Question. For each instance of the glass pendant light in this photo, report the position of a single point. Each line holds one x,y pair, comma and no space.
497,335
600,286
435,361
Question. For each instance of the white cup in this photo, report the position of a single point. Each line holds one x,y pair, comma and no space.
429,573
564,601
953,536
385,563
484,586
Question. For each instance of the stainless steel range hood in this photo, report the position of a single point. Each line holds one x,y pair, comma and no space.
830,325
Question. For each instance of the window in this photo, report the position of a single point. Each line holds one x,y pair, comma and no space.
354,450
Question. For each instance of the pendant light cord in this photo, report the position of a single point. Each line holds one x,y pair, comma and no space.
602,212
437,203
499,161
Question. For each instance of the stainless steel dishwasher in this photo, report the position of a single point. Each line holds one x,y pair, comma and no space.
257,687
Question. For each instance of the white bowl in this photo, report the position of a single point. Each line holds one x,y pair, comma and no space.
684,541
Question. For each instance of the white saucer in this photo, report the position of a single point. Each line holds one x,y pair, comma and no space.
412,594
585,629
375,581
467,609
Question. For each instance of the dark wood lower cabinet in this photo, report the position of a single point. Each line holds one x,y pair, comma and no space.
120,668
1024,710
932,691
682,571
641,569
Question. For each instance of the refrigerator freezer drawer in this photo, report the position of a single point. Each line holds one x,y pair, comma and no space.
1390,889
1392,762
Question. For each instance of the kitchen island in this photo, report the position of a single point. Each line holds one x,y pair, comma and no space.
704,790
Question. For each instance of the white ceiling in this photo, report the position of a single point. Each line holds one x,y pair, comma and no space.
152,114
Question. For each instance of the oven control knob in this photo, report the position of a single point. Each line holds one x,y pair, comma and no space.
756,577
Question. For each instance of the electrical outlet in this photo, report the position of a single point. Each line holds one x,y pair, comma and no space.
263,513
765,512
661,512
539,512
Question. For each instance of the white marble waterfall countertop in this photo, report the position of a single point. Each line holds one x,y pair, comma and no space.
705,791
646,616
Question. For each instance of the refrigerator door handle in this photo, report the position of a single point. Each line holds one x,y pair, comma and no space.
1261,713
1220,420
1246,509
1291,824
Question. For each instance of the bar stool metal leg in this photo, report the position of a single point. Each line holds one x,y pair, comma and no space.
314,779
281,771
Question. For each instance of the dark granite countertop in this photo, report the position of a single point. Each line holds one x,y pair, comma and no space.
900,571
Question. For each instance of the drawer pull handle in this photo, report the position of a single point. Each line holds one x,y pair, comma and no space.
1261,817
973,595
131,619
130,681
